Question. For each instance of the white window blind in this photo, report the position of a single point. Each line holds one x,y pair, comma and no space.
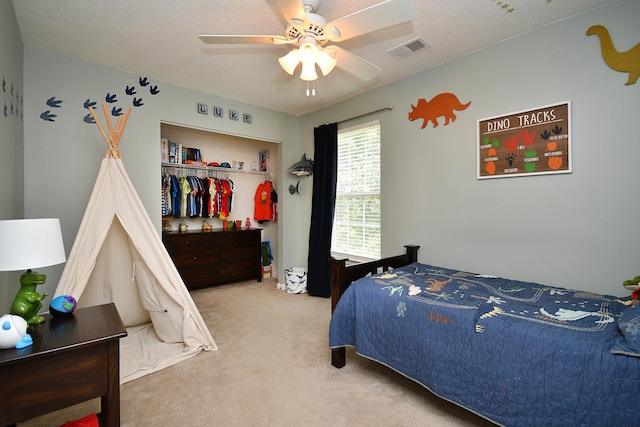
356,224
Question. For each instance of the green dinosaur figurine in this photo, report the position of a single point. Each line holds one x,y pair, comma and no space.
27,302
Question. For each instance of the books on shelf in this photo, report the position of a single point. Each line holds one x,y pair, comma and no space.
173,152
176,153
165,150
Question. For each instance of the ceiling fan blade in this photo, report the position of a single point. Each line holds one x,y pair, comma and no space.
381,15
353,64
243,39
293,11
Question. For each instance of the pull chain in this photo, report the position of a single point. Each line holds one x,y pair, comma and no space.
311,92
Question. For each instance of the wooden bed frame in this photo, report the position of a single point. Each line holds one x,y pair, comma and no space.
342,276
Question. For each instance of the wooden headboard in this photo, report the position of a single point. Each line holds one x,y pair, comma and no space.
342,275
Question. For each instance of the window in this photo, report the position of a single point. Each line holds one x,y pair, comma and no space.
356,224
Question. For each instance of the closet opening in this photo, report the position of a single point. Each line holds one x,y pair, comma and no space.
240,165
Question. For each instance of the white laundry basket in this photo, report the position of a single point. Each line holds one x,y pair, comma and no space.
295,280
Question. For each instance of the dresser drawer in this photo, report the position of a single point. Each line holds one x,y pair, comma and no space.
247,238
216,240
199,276
192,258
244,269
240,253
183,243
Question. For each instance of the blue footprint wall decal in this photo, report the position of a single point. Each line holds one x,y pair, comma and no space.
48,117
53,102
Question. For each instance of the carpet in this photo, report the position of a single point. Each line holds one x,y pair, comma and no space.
273,368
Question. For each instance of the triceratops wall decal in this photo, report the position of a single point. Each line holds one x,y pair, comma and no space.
440,105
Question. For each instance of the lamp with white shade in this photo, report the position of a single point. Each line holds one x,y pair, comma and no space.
28,244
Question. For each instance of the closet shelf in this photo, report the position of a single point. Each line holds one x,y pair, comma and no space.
183,167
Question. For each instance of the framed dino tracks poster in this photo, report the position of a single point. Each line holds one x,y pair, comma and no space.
531,142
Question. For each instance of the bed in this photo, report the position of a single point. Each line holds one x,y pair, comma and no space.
516,353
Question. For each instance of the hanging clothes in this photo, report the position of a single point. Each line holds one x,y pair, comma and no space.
166,195
264,206
225,198
185,190
195,203
176,196
197,197
213,197
274,204
206,195
232,189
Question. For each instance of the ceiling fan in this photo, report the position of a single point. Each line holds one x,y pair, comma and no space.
310,33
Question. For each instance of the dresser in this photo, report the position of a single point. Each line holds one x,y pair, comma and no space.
205,258
72,359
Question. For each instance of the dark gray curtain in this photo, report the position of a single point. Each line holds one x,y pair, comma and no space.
325,174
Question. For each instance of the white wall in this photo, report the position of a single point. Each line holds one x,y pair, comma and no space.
11,136
578,230
62,157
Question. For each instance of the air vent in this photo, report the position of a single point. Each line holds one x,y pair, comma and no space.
409,48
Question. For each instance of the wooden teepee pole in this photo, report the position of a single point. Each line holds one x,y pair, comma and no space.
106,116
113,140
120,126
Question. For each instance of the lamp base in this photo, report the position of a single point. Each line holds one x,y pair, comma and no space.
28,302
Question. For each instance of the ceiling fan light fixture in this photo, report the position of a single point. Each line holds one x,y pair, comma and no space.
309,34
325,62
309,71
290,61
308,51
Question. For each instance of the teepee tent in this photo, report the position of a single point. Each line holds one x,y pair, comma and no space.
118,257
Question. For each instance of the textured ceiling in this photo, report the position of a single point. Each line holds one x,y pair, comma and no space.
159,39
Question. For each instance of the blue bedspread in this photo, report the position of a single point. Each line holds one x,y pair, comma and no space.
517,353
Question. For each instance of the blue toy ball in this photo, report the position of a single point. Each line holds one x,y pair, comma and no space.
62,305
